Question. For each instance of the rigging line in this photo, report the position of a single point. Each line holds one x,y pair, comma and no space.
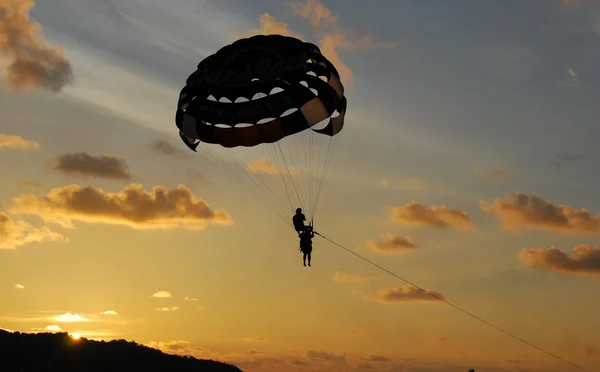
456,307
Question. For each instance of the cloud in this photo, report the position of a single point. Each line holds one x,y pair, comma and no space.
110,312
162,294
190,298
353,278
164,147
584,259
31,185
492,175
325,356
267,167
12,142
166,308
19,286
132,206
269,25
573,79
404,294
519,210
31,62
53,328
70,318
16,233
392,243
326,26
376,358
416,214
103,166
254,339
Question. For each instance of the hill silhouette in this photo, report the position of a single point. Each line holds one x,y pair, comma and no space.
49,352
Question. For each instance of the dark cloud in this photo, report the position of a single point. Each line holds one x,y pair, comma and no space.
404,294
102,166
519,210
392,243
161,208
414,213
164,147
584,259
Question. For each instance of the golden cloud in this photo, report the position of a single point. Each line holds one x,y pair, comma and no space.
31,62
16,142
267,167
16,233
70,318
19,286
166,308
353,278
519,210
416,214
162,294
103,166
584,259
392,243
404,294
132,206
190,298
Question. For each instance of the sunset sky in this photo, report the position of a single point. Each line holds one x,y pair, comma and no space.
467,165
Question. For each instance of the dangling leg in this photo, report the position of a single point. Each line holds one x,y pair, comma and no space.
309,254
304,259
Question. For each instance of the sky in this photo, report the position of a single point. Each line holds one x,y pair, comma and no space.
466,166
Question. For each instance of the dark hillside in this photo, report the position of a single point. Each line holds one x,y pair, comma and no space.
58,352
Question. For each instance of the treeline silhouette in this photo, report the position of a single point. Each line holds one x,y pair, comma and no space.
58,352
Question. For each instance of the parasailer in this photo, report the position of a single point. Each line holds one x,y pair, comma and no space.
266,110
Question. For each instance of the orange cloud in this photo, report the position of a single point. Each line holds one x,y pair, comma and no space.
414,213
331,36
161,208
17,142
404,294
584,259
392,243
492,175
519,210
353,278
16,233
269,25
103,166
31,62
267,167
31,185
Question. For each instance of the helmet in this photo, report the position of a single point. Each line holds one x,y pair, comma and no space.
299,210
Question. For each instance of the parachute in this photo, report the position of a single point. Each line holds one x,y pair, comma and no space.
266,110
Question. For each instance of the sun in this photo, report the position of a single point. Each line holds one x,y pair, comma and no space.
75,336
